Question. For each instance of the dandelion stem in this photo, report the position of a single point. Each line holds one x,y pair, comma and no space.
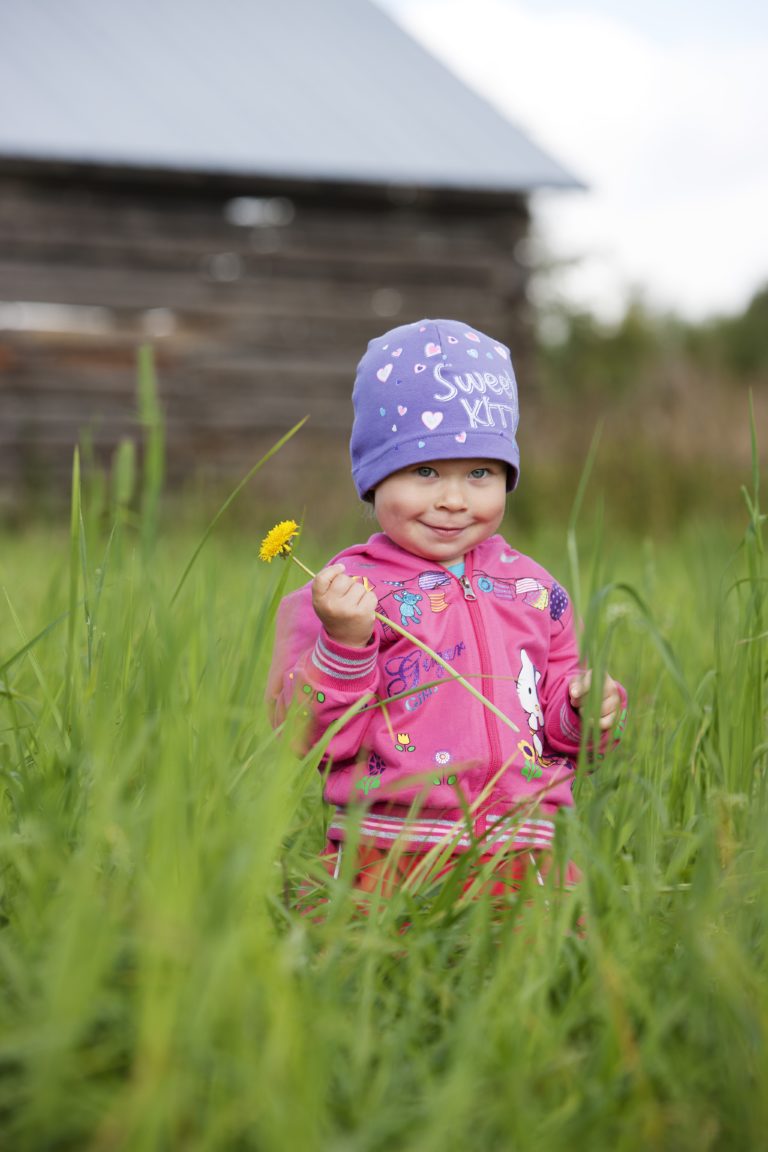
303,567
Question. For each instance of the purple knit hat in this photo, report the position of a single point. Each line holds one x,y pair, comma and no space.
433,390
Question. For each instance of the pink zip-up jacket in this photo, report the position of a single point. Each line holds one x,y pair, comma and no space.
424,750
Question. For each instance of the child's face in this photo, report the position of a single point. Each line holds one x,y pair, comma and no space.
441,509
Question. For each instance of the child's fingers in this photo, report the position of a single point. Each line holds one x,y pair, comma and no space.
607,719
609,708
337,595
345,607
325,577
579,688
371,599
358,595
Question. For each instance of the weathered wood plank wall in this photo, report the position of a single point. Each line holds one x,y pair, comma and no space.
255,324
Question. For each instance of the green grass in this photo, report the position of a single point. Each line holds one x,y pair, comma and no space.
158,987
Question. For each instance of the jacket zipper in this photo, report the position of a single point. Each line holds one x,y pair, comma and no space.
466,588
486,682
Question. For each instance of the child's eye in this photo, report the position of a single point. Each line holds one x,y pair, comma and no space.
425,471
480,473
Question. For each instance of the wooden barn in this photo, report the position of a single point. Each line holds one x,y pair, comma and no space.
255,188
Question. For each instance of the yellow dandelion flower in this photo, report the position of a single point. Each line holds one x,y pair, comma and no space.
279,540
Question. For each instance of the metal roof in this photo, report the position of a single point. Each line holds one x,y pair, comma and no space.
310,89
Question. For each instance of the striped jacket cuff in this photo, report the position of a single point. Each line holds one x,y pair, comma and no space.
344,667
570,723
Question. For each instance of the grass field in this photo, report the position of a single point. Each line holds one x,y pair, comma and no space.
158,988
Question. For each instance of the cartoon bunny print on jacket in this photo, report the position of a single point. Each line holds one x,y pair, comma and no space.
529,698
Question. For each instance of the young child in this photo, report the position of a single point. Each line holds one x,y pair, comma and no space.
433,449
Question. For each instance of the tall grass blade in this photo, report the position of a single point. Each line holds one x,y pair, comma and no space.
28,645
26,649
230,498
153,471
571,537
75,522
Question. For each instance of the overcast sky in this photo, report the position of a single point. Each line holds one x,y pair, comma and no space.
660,106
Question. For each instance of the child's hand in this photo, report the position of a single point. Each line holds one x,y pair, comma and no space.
578,690
344,605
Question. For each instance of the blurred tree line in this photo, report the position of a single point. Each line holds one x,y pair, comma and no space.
578,353
671,401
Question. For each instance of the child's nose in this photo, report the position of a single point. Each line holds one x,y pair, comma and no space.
452,495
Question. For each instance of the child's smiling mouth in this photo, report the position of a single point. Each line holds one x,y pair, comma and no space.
447,529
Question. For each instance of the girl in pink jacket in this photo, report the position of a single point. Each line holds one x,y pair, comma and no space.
425,763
